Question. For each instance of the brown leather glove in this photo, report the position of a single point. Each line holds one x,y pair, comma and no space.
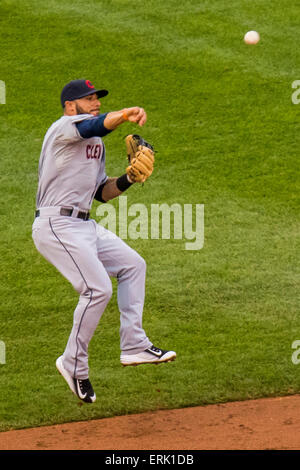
140,157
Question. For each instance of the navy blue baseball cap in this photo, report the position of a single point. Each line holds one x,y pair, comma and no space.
77,89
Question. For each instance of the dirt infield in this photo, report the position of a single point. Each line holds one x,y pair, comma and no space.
271,423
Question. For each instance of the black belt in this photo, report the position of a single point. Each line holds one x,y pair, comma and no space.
68,212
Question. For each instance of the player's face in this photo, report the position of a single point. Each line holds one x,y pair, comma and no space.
88,105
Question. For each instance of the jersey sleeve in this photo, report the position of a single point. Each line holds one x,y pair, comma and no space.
67,131
93,127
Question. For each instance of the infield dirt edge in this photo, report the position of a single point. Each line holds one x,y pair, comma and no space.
262,424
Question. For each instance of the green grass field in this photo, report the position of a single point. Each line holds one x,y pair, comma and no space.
221,117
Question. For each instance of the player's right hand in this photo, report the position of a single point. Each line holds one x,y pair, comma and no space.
135,114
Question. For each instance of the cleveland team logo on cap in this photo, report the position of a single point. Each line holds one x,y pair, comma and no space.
89,84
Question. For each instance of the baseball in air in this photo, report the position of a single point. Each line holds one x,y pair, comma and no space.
252,37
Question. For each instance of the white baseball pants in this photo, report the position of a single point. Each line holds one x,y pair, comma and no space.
87,254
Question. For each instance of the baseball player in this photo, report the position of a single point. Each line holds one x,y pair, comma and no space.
71,175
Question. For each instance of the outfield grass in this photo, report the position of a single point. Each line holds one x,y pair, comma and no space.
220,115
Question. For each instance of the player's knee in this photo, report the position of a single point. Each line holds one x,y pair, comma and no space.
140,263
106,291
137,263
109,292
102,291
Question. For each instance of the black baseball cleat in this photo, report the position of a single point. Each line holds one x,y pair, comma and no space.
82,388
151,355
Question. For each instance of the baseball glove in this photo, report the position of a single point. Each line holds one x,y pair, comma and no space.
140,157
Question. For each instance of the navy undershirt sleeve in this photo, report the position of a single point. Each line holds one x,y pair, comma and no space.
93,127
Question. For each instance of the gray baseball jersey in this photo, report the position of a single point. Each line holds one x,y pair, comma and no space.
71,168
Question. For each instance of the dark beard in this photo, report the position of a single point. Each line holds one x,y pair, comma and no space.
79,110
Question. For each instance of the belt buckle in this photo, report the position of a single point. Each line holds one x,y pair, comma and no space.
65,211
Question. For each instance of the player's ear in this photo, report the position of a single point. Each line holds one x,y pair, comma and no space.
70,108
